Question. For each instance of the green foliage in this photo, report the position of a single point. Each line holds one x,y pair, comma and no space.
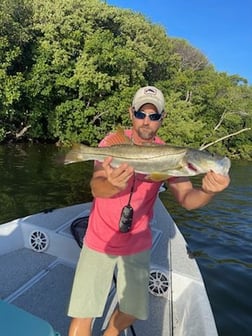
15,20
69,70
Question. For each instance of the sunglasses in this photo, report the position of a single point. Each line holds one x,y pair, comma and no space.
151,116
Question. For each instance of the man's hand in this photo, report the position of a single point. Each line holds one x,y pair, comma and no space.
213,183
118,177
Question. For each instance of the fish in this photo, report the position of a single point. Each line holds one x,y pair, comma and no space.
157,161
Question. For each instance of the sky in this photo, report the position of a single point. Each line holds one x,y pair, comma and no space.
220,29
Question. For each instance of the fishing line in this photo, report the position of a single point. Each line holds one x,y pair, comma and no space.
171,289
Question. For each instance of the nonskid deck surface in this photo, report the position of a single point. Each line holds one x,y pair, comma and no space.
38,283
41,285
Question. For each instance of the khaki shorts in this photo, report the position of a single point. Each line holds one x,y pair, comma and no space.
93,278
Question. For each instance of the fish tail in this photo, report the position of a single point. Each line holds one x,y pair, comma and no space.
78,152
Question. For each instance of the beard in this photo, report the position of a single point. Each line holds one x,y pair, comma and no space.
145,133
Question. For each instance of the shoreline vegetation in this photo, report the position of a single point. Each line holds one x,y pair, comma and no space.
69,69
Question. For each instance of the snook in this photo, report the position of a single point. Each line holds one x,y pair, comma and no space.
156,161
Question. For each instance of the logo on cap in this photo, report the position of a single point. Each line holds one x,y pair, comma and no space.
150,91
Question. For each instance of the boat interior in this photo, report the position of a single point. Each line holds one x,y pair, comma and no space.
38,257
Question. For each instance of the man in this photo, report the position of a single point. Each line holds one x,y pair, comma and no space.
106,247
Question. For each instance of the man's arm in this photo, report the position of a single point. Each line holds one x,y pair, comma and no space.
193,198
107,181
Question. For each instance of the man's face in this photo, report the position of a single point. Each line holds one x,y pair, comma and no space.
145,129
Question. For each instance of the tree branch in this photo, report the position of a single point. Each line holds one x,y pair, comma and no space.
22,132
241,113
97,116
220,121
225,137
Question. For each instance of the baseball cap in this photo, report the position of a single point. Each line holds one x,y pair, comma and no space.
149,95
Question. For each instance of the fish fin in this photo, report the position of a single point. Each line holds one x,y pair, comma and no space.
157,177
117,138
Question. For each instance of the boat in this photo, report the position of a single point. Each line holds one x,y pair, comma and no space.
38,256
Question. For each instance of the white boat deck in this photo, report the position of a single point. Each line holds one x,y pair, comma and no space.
40,283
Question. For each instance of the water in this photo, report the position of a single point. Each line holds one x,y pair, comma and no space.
219,235
32,181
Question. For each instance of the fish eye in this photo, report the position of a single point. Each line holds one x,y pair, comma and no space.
211,154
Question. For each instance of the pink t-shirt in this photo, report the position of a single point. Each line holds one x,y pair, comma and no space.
103,233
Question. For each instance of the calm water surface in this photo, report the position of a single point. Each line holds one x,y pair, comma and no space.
219,235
